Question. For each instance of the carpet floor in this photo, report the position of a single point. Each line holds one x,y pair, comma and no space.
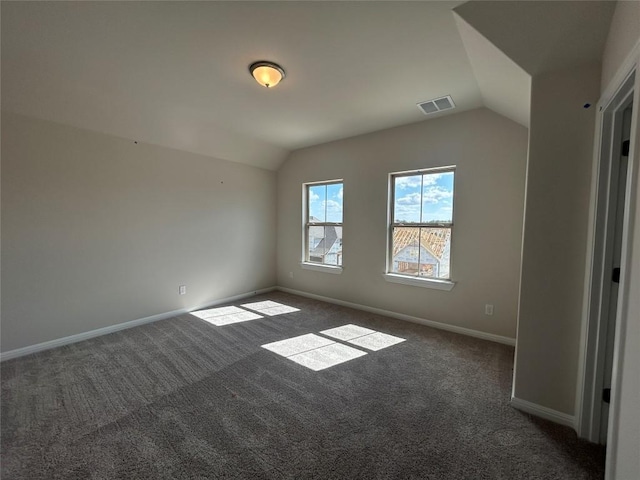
185,399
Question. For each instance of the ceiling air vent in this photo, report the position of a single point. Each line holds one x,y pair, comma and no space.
437,105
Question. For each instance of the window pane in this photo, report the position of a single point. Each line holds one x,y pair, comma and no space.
437,197
334,203
317,197
316,245
406,205
423,252
335,253
325,245
405,251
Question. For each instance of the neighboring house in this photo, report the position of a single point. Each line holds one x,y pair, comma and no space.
432,254
325,244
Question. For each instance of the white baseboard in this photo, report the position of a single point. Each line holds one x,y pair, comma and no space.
401,316
544,412
39,347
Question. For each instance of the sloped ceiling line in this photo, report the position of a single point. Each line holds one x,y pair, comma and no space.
504,86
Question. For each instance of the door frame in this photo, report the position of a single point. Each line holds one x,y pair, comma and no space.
624,87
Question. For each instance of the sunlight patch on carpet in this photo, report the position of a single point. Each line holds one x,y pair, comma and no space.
347,332
328,356
376,341
313,351
296,345
225,315
270,308
362,337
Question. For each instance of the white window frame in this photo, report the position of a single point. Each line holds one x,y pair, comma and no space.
394,277
306,263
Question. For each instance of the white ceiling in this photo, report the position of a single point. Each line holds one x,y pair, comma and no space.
175,73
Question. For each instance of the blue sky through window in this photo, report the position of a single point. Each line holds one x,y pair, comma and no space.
325,202
424,198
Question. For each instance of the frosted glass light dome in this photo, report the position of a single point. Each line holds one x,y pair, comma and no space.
267,74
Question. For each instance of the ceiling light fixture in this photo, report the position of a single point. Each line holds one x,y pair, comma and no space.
267,74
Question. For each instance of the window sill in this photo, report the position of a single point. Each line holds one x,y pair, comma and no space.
420,282
318,267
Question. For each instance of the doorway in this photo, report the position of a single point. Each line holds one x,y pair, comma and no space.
617,197
609,253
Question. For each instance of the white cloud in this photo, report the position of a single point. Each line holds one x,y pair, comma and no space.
410,199
407,213
408,182
417,180
436,194
333,206
431,179
313,197
334,210
340,193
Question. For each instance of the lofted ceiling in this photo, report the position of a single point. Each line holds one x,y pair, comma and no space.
175,73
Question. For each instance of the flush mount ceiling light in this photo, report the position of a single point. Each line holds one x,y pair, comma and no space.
267,74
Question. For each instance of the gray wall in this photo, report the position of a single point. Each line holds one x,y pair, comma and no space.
555,232
624,33
97,230
490,153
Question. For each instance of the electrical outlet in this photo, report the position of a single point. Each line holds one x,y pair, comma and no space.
182,290
290,274
488,309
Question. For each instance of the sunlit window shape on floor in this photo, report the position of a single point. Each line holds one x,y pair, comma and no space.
295,345
225,315
325,357
376,341
313,351
363,337
347,332
270,308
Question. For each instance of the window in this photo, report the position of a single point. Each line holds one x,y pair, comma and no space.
421,224
323,223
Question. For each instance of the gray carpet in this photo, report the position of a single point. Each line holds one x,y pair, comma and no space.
184,399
